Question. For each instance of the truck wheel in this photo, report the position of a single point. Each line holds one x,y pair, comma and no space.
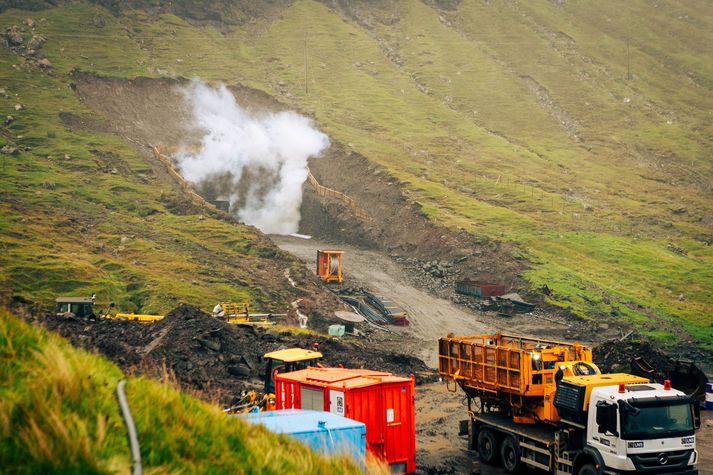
587,470
510,455
487,446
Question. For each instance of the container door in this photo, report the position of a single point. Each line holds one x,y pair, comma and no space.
336,402
311,399
400,431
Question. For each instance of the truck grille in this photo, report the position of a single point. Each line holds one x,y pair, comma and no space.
660,462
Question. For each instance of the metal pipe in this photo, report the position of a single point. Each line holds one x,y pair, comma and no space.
136,467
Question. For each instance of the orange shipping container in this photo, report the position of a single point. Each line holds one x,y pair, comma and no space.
382,401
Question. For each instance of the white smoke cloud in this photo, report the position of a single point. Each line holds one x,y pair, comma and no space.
257,161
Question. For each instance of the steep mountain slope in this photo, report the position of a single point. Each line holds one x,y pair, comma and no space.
578,131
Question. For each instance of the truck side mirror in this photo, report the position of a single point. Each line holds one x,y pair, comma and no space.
696,415
606,418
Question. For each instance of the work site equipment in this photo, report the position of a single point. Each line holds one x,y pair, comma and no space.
382,401
486,366
323,432
329,266
276,362
375,309
239,313
81,307
544,404
136,317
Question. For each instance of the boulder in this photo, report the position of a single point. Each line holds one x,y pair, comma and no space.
99,21
44,63
13,36
9,150
36,42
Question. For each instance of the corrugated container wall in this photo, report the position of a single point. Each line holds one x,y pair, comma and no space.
382,401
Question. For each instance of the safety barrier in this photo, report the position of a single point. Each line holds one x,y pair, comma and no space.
160,152
347,200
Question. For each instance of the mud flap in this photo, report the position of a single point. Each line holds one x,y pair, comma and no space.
472,434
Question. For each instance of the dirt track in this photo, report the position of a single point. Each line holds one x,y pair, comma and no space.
430,317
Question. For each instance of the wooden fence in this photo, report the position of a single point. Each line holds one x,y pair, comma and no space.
160,152
347,200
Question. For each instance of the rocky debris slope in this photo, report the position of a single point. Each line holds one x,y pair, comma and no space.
215,359
618,356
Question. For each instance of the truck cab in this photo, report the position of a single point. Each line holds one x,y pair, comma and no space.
642,428
81,307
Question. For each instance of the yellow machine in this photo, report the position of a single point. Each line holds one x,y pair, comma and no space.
521,372
84,307
329,266
543,404
141,318
281,361
239,313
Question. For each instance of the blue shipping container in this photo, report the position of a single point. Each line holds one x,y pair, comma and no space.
321,431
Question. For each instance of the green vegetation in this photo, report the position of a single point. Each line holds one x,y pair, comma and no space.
59,414
82,212
524,122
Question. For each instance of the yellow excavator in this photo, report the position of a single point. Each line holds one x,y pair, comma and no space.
280,361
83,307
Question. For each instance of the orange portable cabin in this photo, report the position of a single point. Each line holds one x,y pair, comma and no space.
382,401
329,266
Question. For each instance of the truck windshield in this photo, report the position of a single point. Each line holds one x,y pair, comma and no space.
657,420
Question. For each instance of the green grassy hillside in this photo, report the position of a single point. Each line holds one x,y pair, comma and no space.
580,131
82,211
59,414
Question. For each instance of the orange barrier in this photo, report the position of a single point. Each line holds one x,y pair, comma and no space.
347,200
160,152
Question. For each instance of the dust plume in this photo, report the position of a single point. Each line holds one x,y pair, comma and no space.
256,161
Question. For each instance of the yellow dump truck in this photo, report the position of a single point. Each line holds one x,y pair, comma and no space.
544,404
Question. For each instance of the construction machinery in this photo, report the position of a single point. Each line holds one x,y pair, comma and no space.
239,313
545,404
136,317
83,307
329,266
276,362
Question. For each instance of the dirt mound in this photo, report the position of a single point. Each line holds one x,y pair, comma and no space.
643,359
212,358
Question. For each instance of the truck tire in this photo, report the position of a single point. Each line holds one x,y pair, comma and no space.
510,455
487,446
587,469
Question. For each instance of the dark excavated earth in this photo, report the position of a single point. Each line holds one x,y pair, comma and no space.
214,359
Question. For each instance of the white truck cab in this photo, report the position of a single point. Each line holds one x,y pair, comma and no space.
642,428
